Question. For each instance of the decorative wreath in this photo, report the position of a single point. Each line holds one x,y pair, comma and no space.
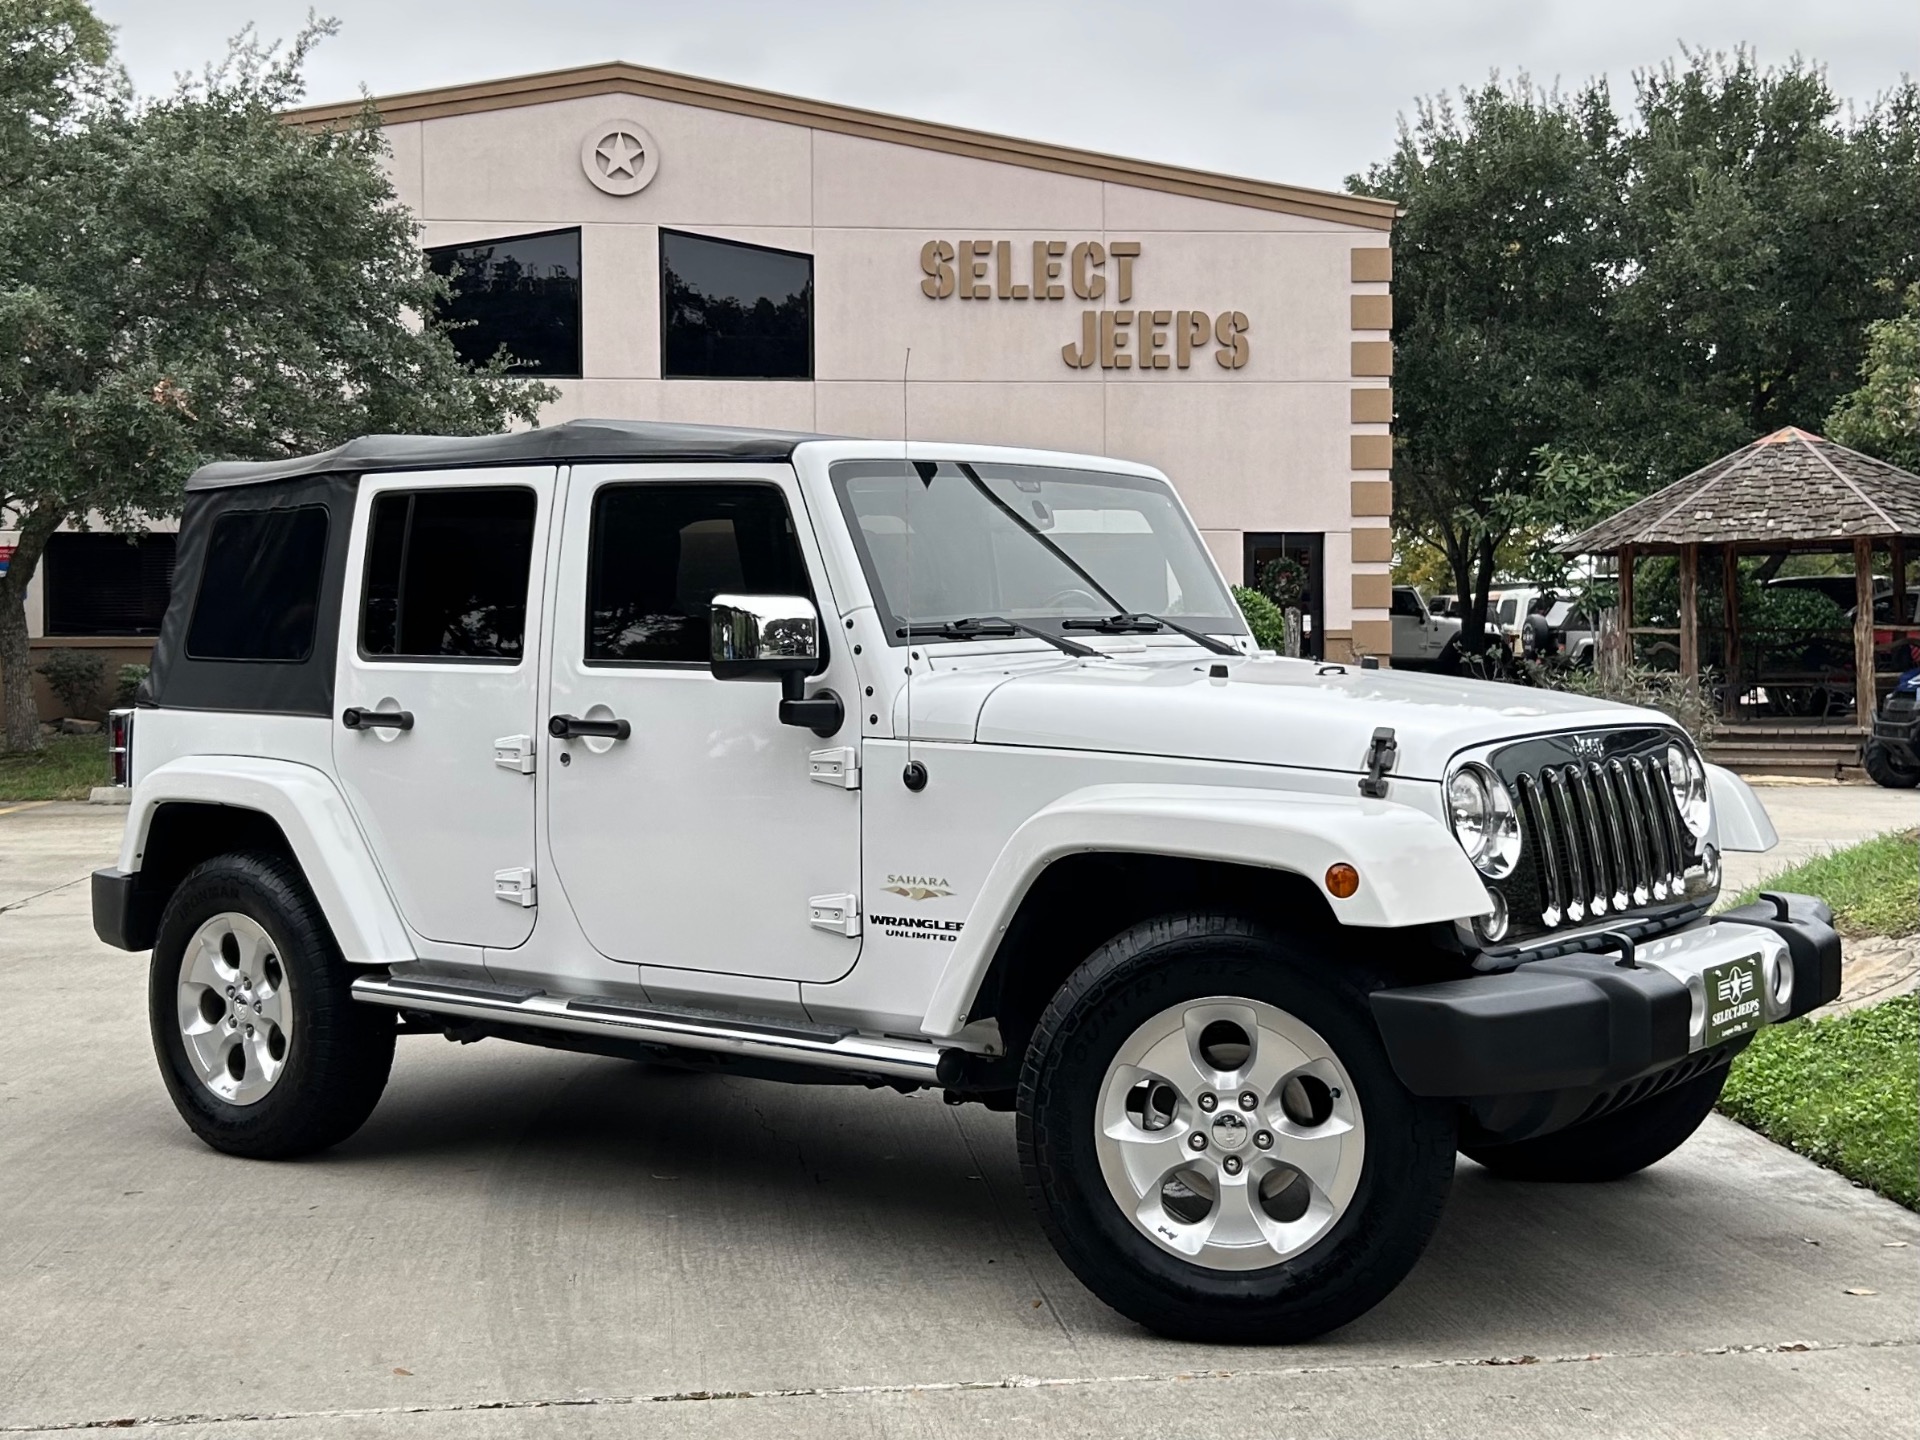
1283,580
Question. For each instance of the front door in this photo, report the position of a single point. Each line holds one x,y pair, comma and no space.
698,842
439,668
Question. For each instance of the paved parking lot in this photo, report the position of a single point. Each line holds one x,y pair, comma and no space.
529,1243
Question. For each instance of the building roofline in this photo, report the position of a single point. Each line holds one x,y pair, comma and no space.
621,78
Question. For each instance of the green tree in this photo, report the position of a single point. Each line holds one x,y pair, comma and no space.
1882,417
191,278
1769,224
1502,266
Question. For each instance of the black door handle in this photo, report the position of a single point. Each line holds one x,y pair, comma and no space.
355,718
571,727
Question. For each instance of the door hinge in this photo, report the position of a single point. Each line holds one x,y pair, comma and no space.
838,913
840,767
514,752
514,886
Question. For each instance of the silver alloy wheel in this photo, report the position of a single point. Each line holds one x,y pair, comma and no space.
235,1008
1229,1133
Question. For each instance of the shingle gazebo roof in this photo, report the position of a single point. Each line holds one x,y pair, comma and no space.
1788,486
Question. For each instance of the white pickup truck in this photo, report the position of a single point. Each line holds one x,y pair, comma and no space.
929,766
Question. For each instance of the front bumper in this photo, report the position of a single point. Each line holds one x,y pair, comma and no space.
1579,1026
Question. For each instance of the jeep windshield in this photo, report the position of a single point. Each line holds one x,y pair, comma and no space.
951,547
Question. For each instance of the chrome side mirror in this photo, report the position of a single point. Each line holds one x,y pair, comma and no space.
775,637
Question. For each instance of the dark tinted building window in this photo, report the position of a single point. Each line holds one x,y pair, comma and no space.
260,586
447,574
662,552
732,311
107,584
521,292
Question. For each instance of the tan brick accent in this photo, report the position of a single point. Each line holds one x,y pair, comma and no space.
1373,357
1373,637
1370,452
1372,497
1372,312
1372,592
1372,264
1372,405
1372,545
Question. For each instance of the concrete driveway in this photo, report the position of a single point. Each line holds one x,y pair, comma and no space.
524,1243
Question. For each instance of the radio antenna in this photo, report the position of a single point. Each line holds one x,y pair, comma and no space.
914,776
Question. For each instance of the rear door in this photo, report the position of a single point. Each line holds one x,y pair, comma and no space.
438,667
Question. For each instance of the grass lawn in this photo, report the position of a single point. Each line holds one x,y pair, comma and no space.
66,767
1874,887
1845,1090
1841,1091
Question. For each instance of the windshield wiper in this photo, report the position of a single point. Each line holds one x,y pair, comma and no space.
1136,624
987,627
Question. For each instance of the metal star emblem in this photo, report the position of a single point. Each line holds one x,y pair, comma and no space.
618,152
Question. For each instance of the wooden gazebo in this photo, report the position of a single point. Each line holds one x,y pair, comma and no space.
1790,492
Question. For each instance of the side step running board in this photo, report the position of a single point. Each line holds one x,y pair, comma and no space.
793,1041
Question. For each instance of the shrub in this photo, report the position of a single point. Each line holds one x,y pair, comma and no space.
1264,618
127,684
74,676
1690,703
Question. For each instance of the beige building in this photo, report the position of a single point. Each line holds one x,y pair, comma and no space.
663,247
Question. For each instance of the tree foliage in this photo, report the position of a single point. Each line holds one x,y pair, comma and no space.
1882,417
190,278
1588,307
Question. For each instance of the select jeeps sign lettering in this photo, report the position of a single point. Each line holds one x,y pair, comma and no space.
1116,339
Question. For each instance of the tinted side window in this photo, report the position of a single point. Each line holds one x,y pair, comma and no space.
660,553
1404,603
447,574
520,293
260,586
734,311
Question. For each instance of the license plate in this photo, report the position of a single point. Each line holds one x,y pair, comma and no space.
1733,998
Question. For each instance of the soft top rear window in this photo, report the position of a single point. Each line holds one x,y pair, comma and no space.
259,595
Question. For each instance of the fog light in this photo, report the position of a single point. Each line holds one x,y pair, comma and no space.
1342,881
1492,927
1782,978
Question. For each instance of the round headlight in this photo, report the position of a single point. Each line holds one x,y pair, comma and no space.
1480,809
1687,778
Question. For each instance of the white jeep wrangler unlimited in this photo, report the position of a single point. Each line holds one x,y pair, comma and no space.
460,736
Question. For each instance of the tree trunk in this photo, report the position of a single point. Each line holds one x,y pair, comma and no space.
19,721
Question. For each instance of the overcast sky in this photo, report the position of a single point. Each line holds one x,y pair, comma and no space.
1302,91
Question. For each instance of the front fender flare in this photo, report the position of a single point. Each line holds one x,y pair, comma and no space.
1412,871
1741,822
313,815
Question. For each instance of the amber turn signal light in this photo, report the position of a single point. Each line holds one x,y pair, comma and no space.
1342,880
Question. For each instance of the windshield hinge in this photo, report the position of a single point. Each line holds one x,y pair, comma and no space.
839,767
1381,754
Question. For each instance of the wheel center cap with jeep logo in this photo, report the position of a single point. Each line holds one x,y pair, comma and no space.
1229,1130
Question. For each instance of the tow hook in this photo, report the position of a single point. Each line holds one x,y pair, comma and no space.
1381,754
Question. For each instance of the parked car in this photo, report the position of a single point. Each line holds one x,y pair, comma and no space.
1891,753
1420,637
809,760
1573,633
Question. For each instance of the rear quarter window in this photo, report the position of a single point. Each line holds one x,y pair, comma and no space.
259,595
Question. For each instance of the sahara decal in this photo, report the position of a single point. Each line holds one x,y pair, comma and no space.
917,887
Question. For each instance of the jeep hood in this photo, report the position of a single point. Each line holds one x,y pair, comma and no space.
1265,712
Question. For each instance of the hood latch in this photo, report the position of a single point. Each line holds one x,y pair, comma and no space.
1380,757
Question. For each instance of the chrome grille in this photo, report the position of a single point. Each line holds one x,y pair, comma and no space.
1604,836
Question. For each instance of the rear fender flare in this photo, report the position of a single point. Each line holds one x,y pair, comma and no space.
1412,871
313,815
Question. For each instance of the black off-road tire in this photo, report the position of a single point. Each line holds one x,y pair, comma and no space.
1407,1168
1884,769
340,1052
1614,1146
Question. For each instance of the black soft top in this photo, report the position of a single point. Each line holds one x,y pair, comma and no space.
575,440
